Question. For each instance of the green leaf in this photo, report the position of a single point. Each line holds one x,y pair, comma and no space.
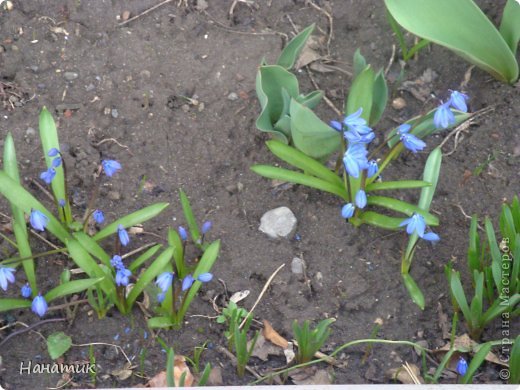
71,288
380,98
414,291
380,220
301,161
510,25
160,322
129,220
22,199
514,362
496,257
57,344
292,50
134,265
461,27
396,185
477,361
402,207
311,100
299,178
190,218
170,379
7,304
431,175
460,296
310,134
477,301
92,247
174,240
361,94
359,63
474,245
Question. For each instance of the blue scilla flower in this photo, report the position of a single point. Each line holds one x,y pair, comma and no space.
98,216
183,233
355,122
38,220
26,290
122,276
39,305
431,236
361,199
353,137
414,224
61,202
458,101
412,143
205,277
187,282
6,277
56,162
347,211
164,281
117,262
462,366
123,235
206,226
372,168
48,175
403,129
110,167
336,125
443,117
355,159
53,152
160,297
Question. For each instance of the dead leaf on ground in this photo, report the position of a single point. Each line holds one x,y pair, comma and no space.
273,336
239,296
123,373
421,88
310,376
179,368
443,322
215,377
406,375
264,348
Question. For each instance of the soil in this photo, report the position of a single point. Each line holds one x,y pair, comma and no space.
123,92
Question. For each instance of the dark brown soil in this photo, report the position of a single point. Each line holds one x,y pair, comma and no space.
130,88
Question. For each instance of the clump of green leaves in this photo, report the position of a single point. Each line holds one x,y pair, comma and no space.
310,341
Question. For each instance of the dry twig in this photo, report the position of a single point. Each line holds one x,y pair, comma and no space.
144,12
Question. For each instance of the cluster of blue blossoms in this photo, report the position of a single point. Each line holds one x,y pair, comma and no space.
39,222
358,135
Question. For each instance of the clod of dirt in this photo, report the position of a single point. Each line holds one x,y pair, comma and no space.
278,223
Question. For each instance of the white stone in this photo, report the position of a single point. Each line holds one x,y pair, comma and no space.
297,266
278,223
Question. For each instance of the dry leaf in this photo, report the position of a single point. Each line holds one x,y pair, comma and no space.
215,376
122,373
310,376
273,336
179,368
263,348
402,375
239,296
443,322
59,30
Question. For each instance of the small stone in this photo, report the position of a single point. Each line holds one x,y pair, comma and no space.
239,77
34,68
319,276
69,76
114,195
201,107
125,15
185,107
278,223
30,132
107,110
232,96
297,266
399,103
90,87
114,113
146,74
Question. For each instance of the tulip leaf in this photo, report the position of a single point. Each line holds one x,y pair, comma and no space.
301,161
72,287
380,220
299,178
380,98
57,344
292,50
396,185
310,134
132,219
160,322
461,27
360,63
510,24
414,291
310,100
7,304
402,207
361,94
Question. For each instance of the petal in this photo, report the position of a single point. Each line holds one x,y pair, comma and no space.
205,277
431,236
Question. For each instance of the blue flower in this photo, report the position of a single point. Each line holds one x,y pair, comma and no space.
61,202
412,143
355,159
458,101
164,281
403,129
372,168
205,277
110,167
206,226
347,211
6,277
98,215
187,282
462,366
123,235
355,137
361,199
26,290
48,175
182,233
431,236
443,117
336,125
414,224
53,152
56,162
356,123
39,305
117,262
38,220
160,297
122,276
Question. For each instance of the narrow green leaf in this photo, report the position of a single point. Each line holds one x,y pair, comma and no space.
477,301
396,185
474,245
359,63
455,25
310,134
379,99
299,178
402,207
380,220
13,304
160,322
414,291
57,344
477,361
92,247
514,362
190,218
71,288
301,161
431,175
132,219
361,94
496,257
460,296
134,265
292,50
510,24
170,379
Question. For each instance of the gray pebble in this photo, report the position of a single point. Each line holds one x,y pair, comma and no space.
90,87
297,266
70,76
114,113
278,223
232,96
114,195
30,132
